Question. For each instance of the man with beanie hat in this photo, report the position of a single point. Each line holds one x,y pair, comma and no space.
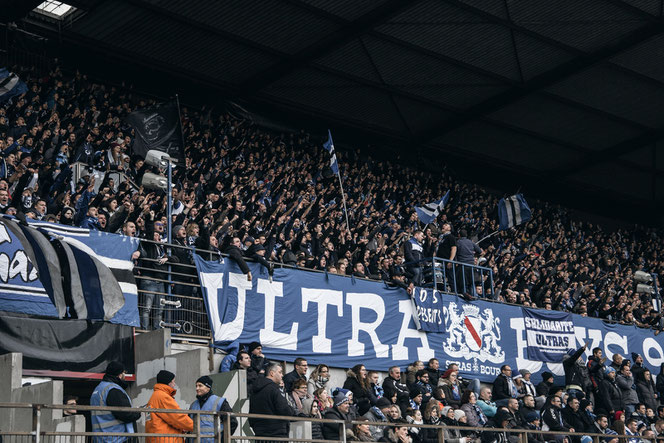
332,431
415,397
258,361
610,397
111,392
266,398
637,365
163,422
207,401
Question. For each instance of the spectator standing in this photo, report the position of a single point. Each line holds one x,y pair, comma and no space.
378,413
318,378
424,385
299,372
576,373
414,253
243,362
625,383
111,392
645,389
452,388
572,416
358,383
266,398
466,251
393,385
163,397
376,388
503,386
258,361
207,401
433,368
610,398
596,368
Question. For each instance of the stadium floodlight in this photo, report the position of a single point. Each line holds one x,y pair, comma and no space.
645,289
157,158
154,181
55,9
642,277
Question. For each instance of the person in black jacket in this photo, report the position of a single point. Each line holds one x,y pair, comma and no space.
503,386
659,386
576,373
610,397
266,398
572,416
394,385
115,373
500,421
553,420
358,383
234,251
299,372
243,362
331,431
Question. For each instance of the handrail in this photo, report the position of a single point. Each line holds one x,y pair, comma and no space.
227,415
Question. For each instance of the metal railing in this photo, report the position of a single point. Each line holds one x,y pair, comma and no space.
222,428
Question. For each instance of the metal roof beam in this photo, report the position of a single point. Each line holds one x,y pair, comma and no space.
327,44
542,81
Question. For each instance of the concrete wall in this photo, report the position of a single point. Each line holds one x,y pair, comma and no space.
50,392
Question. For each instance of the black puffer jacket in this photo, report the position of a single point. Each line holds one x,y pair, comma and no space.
266,398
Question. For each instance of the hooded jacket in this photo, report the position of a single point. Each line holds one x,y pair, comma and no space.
166,423
266,398
645,390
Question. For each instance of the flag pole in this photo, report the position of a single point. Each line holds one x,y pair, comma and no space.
490,235
343,200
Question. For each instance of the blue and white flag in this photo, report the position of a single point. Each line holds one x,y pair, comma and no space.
512,211
549,334
10,85
329,147
430,211
67,272
429,310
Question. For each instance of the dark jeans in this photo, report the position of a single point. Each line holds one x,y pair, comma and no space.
151,302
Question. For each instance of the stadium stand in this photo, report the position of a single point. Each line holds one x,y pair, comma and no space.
273,191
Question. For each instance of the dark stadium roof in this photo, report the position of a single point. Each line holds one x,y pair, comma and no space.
566,94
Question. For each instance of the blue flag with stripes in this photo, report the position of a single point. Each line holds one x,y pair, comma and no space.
512,211
10,85
329,147
430,211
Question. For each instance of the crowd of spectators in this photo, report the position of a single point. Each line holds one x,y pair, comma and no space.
596,398
271,197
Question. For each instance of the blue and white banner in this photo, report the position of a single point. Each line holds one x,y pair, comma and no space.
512,211
549,334
342,322
10,85
429,310
430,211
93,262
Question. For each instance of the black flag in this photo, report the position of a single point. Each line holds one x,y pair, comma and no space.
158,127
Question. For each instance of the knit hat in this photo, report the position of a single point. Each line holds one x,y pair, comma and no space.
546,375
458,413
608,370
115,368
176,228
253,345
523,372
445,411
532,416
586,439
415,391
383,402
165,377
207,381
635,355
340,398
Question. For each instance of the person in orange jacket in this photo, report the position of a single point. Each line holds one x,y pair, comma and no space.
164,422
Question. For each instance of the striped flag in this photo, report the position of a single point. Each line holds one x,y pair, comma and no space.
329,147
111,250
10,85
430,211
512,211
